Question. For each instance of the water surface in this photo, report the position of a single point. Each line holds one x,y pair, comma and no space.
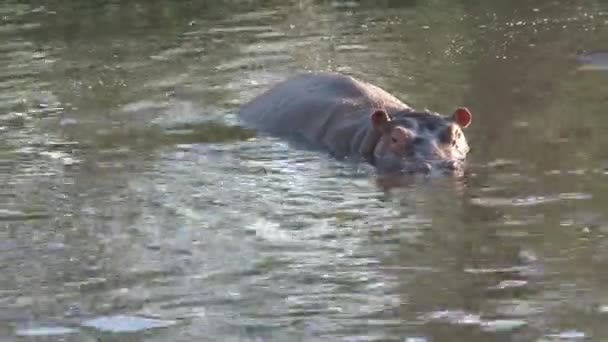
134,207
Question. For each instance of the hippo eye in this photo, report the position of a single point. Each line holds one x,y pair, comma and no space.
394,140
458,135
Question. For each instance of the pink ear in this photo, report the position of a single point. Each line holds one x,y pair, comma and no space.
462,116
379,119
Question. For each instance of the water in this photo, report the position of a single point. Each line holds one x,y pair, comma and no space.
133,206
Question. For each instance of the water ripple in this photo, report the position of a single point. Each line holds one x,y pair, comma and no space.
131,199
530,200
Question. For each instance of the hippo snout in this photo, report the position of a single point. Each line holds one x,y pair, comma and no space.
427,167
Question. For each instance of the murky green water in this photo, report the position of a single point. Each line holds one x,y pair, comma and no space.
128,191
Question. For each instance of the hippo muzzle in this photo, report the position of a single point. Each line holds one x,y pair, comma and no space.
424,167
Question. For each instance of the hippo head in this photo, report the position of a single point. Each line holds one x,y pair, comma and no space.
426,142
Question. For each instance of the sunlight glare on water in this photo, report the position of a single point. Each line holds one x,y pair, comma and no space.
134,206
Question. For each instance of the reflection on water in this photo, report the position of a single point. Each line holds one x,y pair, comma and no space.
594,60
133,206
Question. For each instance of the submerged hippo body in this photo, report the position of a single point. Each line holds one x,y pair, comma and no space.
354,119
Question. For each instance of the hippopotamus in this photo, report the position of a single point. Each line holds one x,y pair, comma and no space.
355,119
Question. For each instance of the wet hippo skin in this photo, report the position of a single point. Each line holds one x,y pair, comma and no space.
354,119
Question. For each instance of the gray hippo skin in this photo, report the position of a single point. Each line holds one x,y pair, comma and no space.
354,119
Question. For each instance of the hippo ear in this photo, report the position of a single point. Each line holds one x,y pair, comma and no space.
380,120
462,116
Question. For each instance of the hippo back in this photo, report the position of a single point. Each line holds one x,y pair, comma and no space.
319,107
